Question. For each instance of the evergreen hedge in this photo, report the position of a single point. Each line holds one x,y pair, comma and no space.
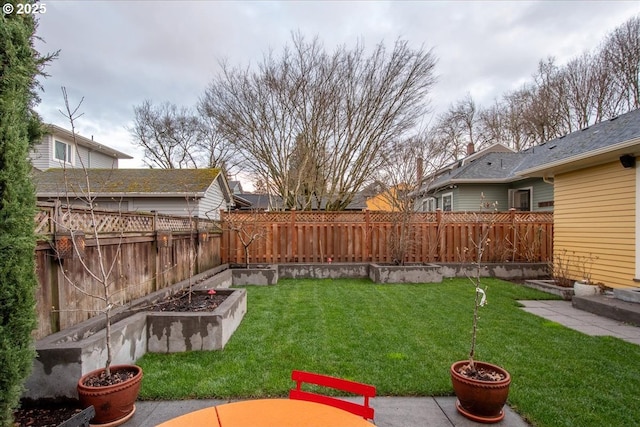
20,64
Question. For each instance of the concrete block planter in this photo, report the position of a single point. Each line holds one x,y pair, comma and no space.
336,270
501,270
171,332
549,286
262,275
425,273
65,356
628,295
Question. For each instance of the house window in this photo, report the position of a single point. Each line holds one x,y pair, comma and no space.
520,199
428,204
447,202
62,152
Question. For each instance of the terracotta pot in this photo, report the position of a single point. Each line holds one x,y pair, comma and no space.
112,403
480,401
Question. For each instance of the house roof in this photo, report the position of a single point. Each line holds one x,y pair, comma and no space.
604,141
260,201
86,142
601,142
495,163
492,167
129,182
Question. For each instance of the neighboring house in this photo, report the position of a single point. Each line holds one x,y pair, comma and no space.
236,187
186,192
59,149
597,198
387,199
492,172
258,202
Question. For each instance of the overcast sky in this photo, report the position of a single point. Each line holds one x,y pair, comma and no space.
117,54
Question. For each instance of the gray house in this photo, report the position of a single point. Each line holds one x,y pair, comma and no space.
186,192
492,172
59,149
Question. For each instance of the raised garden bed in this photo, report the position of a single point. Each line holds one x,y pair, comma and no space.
416,273
549,286
65,356
254,275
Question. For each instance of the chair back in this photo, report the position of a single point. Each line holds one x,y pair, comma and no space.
365,390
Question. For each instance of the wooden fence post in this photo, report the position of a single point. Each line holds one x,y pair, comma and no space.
367,236
440,247
293,241
514,233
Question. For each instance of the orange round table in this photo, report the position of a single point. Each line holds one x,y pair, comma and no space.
269,413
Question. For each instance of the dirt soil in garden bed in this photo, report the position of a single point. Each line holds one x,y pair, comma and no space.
44,413
199,301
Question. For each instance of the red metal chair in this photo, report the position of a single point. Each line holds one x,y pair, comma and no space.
365,390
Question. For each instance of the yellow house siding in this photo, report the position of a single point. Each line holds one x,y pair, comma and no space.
595,215
380,202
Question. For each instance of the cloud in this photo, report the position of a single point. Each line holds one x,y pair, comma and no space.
116,54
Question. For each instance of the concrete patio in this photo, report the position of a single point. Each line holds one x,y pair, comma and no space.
389,412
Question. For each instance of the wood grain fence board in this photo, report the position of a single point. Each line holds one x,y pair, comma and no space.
364,236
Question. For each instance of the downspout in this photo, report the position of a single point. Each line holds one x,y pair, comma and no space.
547,180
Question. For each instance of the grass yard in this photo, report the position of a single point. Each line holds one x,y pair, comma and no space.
402,339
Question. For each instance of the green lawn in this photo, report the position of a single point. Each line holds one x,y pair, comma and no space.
402,339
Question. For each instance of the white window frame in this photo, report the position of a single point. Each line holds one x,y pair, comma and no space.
429,204
444,196
512,197
69,152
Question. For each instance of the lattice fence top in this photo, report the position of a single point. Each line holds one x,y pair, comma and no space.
386,217
49,219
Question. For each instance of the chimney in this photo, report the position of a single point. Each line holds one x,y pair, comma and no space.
419,169
470,149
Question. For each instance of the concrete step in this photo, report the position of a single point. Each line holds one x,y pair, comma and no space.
609,306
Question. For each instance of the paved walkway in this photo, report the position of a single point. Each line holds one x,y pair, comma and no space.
563,313
423,411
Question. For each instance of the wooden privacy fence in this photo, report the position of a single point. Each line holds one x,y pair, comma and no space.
148,251
385,237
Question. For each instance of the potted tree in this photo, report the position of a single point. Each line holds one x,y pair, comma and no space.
113,389
481,388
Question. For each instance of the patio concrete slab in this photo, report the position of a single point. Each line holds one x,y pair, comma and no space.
448,406
389,412
564,313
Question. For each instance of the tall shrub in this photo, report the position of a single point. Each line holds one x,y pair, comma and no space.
19,125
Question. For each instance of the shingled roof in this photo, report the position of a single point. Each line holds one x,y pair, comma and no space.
607,136
618,134
127,182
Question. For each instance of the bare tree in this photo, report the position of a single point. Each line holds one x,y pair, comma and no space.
402,183
104,273
346,106
559,99
248,227
622,49
580,82
168,134
502,123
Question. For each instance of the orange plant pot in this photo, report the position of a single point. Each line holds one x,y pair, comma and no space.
114,402
480,401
